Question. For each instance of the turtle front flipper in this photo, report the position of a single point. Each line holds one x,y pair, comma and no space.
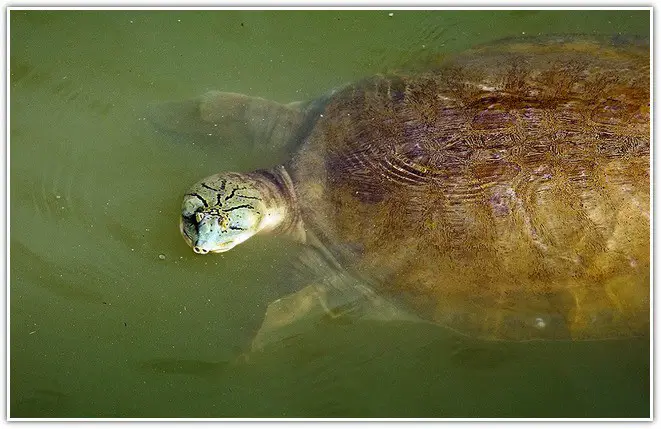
232,117
335,295
301,311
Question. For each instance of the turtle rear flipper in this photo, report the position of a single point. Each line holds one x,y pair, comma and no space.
232,117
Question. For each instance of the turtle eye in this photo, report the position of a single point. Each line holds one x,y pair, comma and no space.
222,222
199,216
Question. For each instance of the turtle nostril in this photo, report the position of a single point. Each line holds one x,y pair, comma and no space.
200,250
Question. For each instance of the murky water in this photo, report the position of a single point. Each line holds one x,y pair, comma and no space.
103,327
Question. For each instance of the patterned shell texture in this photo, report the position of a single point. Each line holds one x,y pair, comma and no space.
504,194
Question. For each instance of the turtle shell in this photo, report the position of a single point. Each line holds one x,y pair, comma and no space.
504,194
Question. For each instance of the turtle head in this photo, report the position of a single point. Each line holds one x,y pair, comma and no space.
224,210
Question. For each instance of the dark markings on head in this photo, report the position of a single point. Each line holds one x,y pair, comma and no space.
242,206
232,193
237,228
222,188
199,198
218,202
248,198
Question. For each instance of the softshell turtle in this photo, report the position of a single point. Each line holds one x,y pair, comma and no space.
503,193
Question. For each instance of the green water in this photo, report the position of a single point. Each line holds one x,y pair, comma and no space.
100,326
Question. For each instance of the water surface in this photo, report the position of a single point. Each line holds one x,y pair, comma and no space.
102,327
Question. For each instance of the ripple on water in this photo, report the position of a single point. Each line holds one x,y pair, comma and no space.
62,181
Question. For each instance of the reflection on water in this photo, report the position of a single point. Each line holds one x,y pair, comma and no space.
101,326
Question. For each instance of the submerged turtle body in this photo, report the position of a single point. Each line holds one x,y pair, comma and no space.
504,194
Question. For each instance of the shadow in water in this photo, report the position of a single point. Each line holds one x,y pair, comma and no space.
209,371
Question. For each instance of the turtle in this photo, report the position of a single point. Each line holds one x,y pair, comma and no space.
502,192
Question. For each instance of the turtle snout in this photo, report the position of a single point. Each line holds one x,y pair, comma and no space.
200,250
203,247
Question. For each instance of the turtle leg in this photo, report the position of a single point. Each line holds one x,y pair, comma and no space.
338,297
232,117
